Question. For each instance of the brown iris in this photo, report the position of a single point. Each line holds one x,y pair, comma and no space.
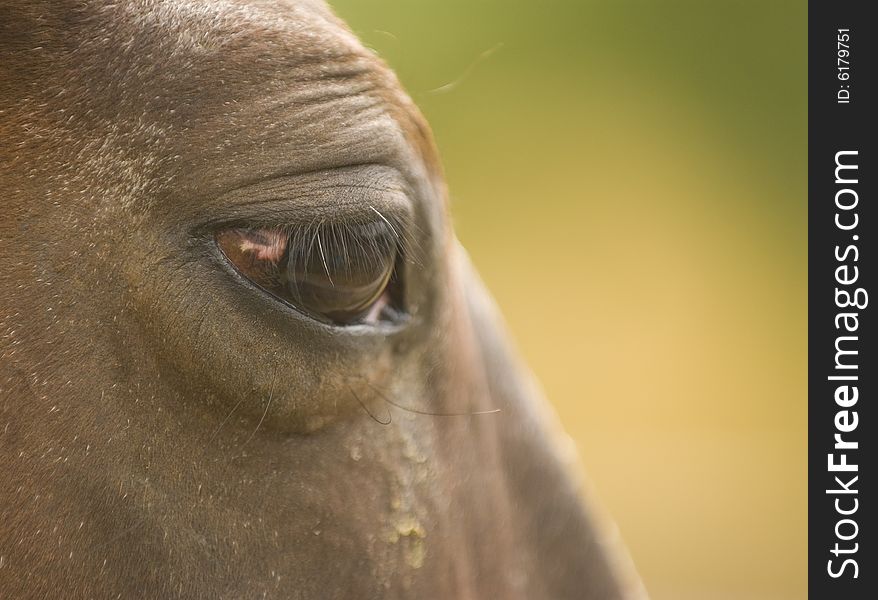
336,272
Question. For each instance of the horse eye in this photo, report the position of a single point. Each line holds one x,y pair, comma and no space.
340,273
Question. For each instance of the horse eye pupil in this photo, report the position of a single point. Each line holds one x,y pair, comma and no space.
339,276
341,292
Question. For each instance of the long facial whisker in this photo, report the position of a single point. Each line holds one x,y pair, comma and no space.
265,412
226,420
442,89
418,411
369,412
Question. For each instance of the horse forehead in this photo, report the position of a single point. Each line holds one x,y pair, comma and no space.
307,25
205,81
246,30
66,31
222,48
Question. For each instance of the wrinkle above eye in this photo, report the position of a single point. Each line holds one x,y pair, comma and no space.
343,193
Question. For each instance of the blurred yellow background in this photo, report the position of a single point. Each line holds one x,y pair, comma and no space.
630,179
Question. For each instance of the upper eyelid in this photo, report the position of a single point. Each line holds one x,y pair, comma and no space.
355,192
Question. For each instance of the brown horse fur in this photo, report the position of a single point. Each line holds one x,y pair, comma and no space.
169,431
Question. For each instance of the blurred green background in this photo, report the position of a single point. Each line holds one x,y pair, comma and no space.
629,177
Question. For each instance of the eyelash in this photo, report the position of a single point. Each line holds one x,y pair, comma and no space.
344,243
338,271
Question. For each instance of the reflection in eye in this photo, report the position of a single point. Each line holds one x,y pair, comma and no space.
340,272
